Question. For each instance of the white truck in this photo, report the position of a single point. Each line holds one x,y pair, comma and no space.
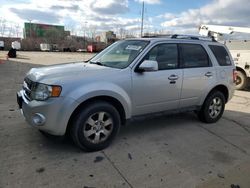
16,45
45,47
1,45
239,49
48,47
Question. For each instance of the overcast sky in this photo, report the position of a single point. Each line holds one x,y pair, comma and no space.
175,16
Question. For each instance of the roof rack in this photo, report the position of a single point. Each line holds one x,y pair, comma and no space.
156,36
178,36
193,37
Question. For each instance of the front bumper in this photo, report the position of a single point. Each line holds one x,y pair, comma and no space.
50,116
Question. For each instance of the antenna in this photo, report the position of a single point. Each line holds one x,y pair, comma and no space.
142,18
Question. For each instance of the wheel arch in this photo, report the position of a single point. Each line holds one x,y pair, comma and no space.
222,88
241,70
113,101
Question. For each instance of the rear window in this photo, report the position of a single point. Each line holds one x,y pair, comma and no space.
193,55
221,55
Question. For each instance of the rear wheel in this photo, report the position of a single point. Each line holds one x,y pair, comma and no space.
213,107
241,80
96,126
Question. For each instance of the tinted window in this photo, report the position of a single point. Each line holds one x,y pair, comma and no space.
221,55
166,56
193,55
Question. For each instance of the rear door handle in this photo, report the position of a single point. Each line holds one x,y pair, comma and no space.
173,77
209,74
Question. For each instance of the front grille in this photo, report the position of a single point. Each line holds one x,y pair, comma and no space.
27,87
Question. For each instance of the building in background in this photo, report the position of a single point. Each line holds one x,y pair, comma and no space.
37,30
108,37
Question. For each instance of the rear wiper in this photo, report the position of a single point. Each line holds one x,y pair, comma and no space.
97,63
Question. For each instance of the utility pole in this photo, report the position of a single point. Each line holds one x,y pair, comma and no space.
142,19
84,45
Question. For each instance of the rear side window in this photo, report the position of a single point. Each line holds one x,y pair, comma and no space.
221,55
193,55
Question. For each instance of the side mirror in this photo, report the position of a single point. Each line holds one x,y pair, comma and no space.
148,66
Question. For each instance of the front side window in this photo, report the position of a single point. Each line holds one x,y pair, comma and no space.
166,56
193,55
221,55
120,54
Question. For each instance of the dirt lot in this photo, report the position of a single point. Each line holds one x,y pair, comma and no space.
170,151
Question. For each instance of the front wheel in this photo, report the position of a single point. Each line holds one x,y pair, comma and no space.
213,107
95,127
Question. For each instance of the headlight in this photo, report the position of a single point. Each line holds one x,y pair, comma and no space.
42,92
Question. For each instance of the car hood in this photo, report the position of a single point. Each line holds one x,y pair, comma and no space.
62,73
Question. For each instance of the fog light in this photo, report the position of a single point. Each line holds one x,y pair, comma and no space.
38,119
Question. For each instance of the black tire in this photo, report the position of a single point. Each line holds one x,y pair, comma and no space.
80,125
241,80
206,114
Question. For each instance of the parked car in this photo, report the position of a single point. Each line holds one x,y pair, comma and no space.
129,78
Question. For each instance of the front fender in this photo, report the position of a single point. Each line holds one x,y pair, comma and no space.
88,91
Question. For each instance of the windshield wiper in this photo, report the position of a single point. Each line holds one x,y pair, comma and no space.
97,63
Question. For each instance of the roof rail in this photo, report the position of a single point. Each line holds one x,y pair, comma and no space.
156,36
178,36
193,37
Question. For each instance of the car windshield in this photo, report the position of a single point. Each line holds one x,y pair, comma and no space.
120,54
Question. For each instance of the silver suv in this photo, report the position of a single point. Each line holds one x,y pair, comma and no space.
130,78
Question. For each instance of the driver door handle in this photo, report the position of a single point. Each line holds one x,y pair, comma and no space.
173,77
209,74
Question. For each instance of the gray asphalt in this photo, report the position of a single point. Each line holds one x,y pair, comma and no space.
167,151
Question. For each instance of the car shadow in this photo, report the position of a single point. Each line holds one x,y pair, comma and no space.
144,127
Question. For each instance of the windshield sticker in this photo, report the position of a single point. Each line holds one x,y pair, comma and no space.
133,47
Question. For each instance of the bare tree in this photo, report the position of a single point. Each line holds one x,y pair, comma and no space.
122,33
2,26
17,27
92,32
10,30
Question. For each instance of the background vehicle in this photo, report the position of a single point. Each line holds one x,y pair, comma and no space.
1,45
96,47
16,45
45,47
129,78
239,49
48,47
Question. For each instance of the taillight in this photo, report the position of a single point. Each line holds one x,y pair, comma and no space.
234,75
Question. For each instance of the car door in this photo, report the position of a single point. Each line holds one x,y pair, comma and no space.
198,73
158,90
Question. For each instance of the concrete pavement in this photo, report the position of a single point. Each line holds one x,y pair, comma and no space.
168,151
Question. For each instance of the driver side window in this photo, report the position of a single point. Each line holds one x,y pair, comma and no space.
166,56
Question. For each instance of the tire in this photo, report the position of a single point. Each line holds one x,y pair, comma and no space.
241,80
212,108
95,126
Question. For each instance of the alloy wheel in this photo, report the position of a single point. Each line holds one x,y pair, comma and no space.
98,127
